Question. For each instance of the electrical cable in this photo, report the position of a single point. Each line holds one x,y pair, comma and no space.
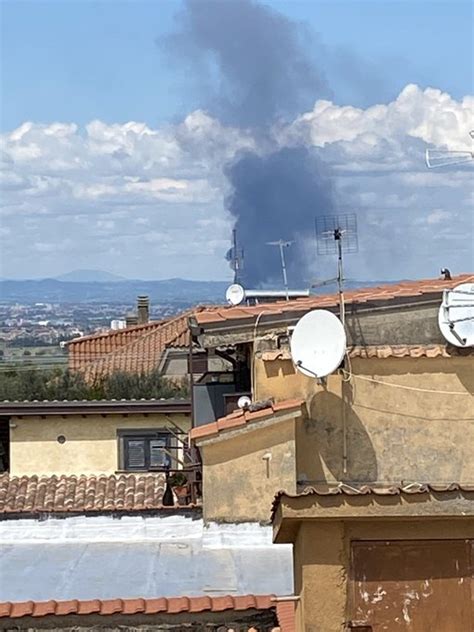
403,386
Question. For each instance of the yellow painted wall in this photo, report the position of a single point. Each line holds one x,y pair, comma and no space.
391,433
91,442
320,576
237,486
322,562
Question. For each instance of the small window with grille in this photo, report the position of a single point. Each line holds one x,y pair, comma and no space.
144,450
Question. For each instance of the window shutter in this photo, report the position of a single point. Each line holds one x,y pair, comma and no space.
158,457
135,454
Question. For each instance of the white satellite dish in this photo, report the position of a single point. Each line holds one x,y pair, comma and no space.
456,315
244,402
235,294
318,343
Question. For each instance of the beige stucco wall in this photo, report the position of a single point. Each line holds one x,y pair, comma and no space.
238,483
390,433
322,562
91,445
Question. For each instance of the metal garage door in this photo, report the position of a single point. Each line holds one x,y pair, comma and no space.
411,586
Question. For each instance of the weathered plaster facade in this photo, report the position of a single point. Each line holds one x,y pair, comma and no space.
322,529
365,431
91,445
243,468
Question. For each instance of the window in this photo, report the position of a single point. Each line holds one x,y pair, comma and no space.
144,450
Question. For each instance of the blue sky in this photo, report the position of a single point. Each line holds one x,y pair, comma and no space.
78,60
111,161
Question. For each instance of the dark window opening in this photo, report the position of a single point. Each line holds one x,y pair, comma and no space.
216,393
145,451
4,444
200,363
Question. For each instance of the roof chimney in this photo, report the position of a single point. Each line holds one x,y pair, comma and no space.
143,310
131,319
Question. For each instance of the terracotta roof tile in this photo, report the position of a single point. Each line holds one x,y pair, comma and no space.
412,351
376,490
283,611
286,615
382,293
58,494
242,417
134,349
385,351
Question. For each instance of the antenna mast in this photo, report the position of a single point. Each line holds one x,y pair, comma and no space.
340,274
282,244
236,258
337,234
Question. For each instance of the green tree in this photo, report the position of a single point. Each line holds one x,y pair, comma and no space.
31,384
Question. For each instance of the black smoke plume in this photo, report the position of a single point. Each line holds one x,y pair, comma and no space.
276,196
256,72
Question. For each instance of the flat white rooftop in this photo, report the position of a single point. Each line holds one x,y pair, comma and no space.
133,556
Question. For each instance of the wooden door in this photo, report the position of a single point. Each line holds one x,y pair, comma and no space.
411,586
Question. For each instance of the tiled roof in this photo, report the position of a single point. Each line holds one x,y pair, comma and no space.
137,349
81,494
242,417
404,290
376,490
410,351
283,610
385,351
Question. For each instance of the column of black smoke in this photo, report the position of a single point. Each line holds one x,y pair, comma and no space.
259,75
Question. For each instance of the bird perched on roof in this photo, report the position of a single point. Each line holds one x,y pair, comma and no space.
446,274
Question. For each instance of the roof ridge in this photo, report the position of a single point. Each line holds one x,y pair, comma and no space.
128,346
384,292
117,332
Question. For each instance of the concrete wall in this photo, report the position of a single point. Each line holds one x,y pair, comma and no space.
386,433
238,483
175,364
322,562
91,445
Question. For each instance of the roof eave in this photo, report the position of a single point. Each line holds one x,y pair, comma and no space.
94,407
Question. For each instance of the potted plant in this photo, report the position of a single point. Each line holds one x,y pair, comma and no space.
179,484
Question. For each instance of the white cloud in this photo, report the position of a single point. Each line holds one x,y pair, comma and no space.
153,199
429,115
438,216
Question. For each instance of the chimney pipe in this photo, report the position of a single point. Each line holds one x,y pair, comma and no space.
143,310
131,319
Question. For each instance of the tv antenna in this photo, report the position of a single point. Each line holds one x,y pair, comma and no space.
456,315
436,158
282,244
337,235
235,256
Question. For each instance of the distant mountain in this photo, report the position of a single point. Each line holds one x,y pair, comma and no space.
89,276
121,291
177,291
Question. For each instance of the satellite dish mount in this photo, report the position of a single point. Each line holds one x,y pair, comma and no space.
456,315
